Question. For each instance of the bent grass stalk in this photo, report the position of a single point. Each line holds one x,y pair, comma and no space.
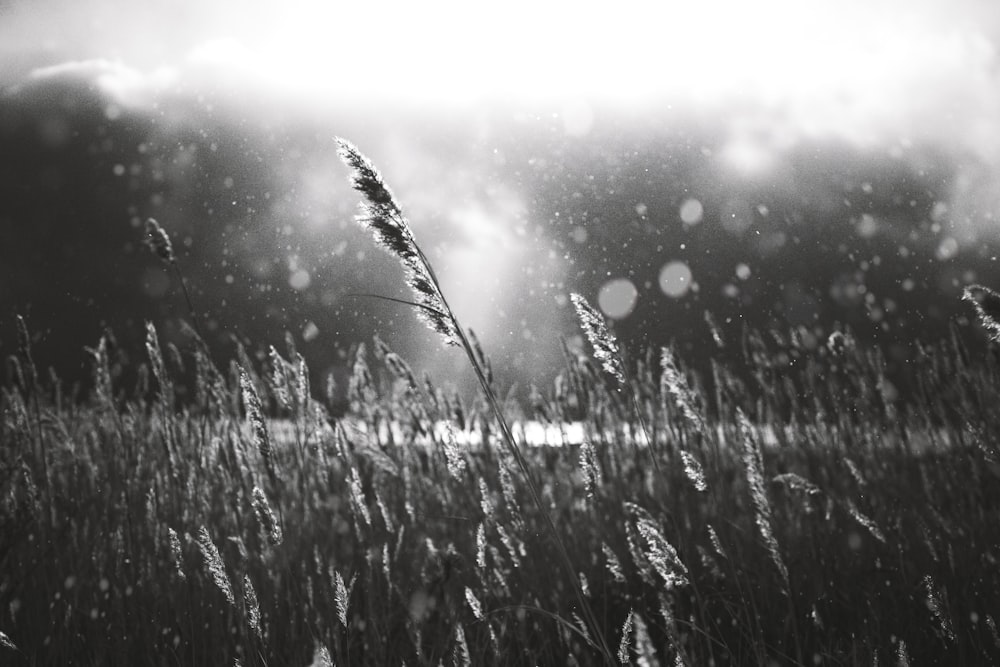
383,216
159,242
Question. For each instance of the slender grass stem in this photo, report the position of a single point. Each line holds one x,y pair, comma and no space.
384,217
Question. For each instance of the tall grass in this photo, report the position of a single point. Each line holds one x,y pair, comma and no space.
798,514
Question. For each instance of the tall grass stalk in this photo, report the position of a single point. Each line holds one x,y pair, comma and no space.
159,242
383,216
31,389
608,352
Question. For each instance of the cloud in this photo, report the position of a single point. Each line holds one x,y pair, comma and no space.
122,84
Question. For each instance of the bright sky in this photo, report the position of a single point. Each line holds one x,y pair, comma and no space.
774,50
770,72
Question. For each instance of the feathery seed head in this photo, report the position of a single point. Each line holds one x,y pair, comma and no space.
214,564
159,242
614,565
623,646
266,517
175,552
255,415
383,216
753,462
341,597
321,657
253,606
474,604
366,178
596,330
936,605
987,304
695,473
674,383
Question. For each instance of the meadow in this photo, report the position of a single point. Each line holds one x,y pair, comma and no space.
781,506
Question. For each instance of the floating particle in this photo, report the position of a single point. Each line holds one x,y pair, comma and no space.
617,298
675,279
691,211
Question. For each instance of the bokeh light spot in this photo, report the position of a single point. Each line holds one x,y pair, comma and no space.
300,279
691,211
675,279
617,298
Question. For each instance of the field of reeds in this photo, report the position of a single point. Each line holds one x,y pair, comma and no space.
784,506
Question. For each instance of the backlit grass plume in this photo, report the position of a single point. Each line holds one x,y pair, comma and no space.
987,304
607,351
604,344
159,242
753,462
381,214
214,564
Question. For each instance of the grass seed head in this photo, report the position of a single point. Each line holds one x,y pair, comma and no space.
662,555
341,597
939,612
462,655
321,657
6,642
453,453
590,466
474,604
987,305
695,473
159,242
624,655
481,547
255,414
604,344
902,655
384,218
252,605
175,552
214,564
644,650
753,462
614,565
266,517
673,383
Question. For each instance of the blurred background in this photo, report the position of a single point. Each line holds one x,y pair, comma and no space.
778,164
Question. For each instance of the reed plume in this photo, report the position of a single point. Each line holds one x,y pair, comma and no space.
753,462
382,215
175,552
214,564
255,415
384,218
607,351
987,305
159,243
624,655
252,606
341,597
604,344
